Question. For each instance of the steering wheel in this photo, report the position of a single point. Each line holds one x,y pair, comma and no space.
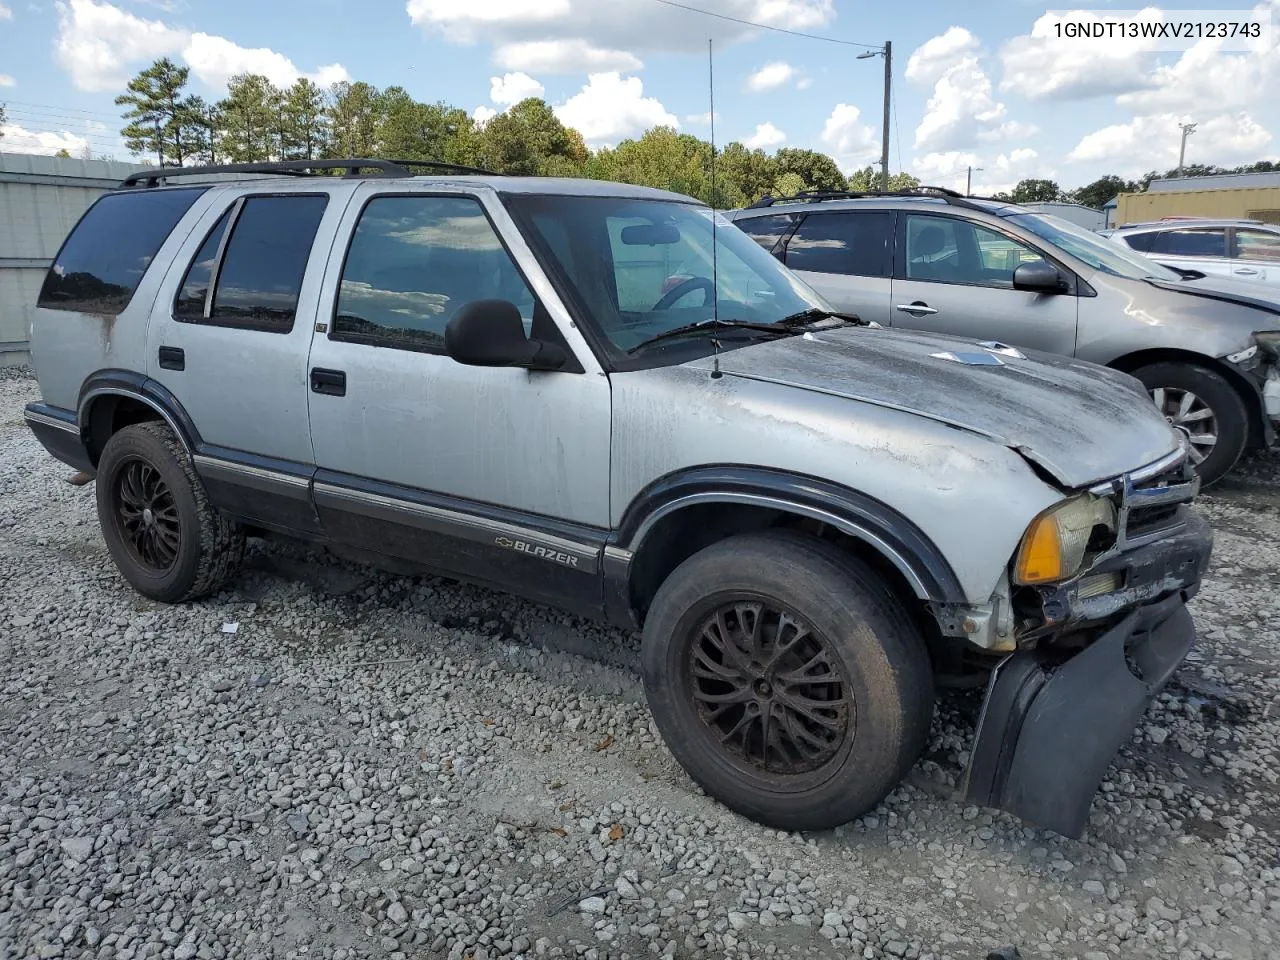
684,288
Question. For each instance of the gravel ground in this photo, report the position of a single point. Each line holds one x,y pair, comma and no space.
369,766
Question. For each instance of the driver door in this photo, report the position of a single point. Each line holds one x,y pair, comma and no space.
954,276
411,445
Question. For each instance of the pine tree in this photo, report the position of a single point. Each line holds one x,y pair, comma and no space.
354,109
248,130
160,120
306,121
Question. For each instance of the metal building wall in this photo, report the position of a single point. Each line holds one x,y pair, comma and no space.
41,198
1256,203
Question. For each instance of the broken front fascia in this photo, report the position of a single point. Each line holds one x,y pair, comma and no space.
1056,713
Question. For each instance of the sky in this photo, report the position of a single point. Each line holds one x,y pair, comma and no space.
990,87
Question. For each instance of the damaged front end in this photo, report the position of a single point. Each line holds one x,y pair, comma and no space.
1092,651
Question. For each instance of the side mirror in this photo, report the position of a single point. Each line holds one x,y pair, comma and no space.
1039,276
490,333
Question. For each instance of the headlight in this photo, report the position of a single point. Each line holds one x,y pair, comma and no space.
1053,547
1268,342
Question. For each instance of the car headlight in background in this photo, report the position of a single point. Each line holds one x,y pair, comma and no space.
1053,548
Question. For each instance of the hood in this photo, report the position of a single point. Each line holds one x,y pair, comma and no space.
1079,422
1245,293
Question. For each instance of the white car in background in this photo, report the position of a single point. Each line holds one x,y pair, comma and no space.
1239,249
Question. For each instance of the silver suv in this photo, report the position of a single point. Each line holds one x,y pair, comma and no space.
606,398
1207,349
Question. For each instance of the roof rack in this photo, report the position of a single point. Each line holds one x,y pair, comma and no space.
297,168
817,196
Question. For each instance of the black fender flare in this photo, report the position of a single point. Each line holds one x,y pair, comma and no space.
892,535
139,387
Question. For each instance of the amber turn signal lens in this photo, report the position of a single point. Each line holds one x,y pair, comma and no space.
1040,559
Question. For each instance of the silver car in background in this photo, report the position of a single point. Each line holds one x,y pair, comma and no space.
1235,249
1206,348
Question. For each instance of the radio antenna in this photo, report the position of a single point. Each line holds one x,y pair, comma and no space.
715,271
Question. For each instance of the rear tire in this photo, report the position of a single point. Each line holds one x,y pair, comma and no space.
165,537
814,721
1201,404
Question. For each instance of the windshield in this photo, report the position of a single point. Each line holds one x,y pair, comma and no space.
1105,255
640,268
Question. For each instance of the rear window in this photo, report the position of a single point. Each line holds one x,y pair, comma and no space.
104,259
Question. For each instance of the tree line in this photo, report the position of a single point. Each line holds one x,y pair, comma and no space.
258,121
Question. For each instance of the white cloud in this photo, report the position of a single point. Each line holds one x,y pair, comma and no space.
511,88
16,139
215,60
933,58
852,144
998,174
766,137
7,81
612,107
543,36
482,115
1042,65
1152,141
771,76
961,111
563,56
5,12
701,119
100,45
97,42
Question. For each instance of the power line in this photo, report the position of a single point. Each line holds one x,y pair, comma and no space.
50,106
897,131
765,26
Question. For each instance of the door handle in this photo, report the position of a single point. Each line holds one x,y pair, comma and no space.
172,358
917,309
1246,271
331,382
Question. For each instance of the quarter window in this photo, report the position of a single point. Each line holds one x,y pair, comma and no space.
854,244
767,231
109,250
259,276
413,262
947,250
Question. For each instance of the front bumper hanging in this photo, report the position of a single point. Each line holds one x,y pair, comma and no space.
1050,726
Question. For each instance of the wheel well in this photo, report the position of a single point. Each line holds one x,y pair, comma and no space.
682,533
1141,358
113,413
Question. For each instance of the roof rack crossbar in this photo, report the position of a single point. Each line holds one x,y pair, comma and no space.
297,168
817,196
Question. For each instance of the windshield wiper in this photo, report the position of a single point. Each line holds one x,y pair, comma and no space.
712,324
814,314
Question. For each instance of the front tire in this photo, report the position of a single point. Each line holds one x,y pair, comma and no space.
1205,408
163,534
786,679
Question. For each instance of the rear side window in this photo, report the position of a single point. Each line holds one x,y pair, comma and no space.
853,244
105,257
767,231
257,272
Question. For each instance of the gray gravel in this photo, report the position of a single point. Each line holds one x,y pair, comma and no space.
371,766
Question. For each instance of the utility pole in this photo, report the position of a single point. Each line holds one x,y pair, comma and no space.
1187,130
887,52
968,181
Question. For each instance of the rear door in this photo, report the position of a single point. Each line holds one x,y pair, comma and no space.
846,256
229,338
955,276
1193,248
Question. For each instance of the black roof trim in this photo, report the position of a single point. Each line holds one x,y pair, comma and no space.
922,192
298,168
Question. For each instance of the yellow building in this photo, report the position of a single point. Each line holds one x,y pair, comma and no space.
1247,196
